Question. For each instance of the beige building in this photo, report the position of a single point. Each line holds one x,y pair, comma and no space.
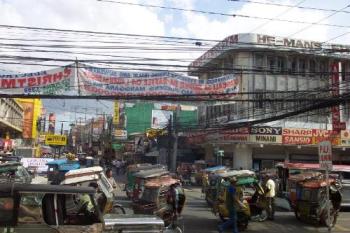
272,67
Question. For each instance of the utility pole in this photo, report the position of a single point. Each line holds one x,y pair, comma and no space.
170,135
60,147
176,136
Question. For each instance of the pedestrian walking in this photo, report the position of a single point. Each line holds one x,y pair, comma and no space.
109,175
232,204
270,190
118,165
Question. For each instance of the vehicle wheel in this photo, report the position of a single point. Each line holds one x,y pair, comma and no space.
263,216
332,221
173,230
117,209
242,225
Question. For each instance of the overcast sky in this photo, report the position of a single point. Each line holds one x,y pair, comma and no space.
110,17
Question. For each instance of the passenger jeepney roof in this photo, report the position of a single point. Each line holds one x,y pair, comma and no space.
317,183
213,169
315,166
84,171
10,163
44,188
57,162
151,173
230,173
304,176
161,181
9,166
145,166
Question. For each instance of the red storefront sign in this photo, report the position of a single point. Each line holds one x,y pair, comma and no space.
337,125
297,140
297,136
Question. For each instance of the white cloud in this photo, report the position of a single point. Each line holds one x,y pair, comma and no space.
83,15
202,27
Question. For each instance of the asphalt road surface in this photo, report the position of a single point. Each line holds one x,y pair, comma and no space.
197,218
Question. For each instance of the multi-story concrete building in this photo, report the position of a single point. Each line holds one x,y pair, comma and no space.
11,119
271,67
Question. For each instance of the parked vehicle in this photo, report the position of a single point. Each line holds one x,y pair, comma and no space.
84,176
154,199
32,208
311,201
130,175
11,172
59,167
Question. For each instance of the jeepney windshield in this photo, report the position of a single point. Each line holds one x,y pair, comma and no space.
311,195
150,194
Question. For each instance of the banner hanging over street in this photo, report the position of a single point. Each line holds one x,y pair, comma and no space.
49,82
104,82
92,81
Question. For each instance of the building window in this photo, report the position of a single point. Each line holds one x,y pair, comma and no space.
259,62
312,69
302,67
281,65
259,96
293,66
272,64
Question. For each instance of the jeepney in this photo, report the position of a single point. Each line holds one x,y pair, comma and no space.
32,208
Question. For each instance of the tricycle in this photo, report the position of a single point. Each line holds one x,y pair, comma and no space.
130,175
250,193
58,168
106,198
164,197
311,201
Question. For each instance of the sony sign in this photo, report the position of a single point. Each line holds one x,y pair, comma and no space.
287,42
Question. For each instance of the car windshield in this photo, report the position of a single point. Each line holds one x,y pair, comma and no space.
346,175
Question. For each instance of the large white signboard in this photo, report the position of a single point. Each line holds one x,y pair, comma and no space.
160,119
325,154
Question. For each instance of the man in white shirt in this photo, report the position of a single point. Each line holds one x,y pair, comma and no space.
270,189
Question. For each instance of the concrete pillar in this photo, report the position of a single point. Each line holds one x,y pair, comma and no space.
286,154
209,152
242,157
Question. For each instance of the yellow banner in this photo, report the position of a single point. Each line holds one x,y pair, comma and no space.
116,113
55,140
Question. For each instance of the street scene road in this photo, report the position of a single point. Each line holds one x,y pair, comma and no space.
198,218
195,107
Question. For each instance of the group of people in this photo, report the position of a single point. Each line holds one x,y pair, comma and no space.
234,202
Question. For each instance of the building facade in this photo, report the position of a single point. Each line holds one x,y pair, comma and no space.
272,68
11,122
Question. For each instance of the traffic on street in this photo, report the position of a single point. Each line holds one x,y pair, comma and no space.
174,116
